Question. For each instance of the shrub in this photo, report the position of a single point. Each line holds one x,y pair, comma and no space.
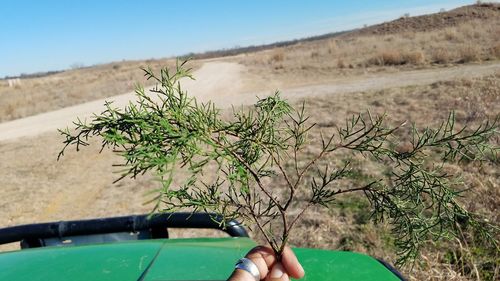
340,63
441,55
410,35
415,57
392,57
450,35
277,56
332,47
395,57
270,141
468,53
495,50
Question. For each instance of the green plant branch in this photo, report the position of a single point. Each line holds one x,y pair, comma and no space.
415,196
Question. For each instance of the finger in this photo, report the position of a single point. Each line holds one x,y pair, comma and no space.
263,257
291,264
278,273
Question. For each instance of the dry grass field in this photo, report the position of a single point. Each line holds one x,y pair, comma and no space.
36,95
37,188
324,60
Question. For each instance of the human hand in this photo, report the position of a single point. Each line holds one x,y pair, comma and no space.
270,269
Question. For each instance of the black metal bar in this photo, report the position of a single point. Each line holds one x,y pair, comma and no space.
120,224
392,269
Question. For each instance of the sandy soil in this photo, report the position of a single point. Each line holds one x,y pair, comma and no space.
224,83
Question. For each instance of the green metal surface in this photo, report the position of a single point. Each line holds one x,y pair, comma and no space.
117,261
340,266
174,259
198,259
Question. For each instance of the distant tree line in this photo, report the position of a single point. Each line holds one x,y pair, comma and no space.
32,75
205,55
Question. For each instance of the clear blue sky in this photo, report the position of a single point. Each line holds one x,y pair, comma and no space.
42,35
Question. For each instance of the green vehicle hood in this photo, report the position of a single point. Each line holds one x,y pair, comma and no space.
173,259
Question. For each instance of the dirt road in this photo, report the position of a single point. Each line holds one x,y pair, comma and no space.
222,82
211,79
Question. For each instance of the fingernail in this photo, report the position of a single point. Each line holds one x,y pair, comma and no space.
277,271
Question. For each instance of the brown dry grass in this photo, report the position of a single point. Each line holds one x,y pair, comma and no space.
441,55
495,50
469,53
36,188
277,56
38,95
323,60
396,57
414,57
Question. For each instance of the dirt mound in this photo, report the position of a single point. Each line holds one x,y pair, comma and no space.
430,22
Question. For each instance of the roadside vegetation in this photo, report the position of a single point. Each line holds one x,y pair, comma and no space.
345,227
350,55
